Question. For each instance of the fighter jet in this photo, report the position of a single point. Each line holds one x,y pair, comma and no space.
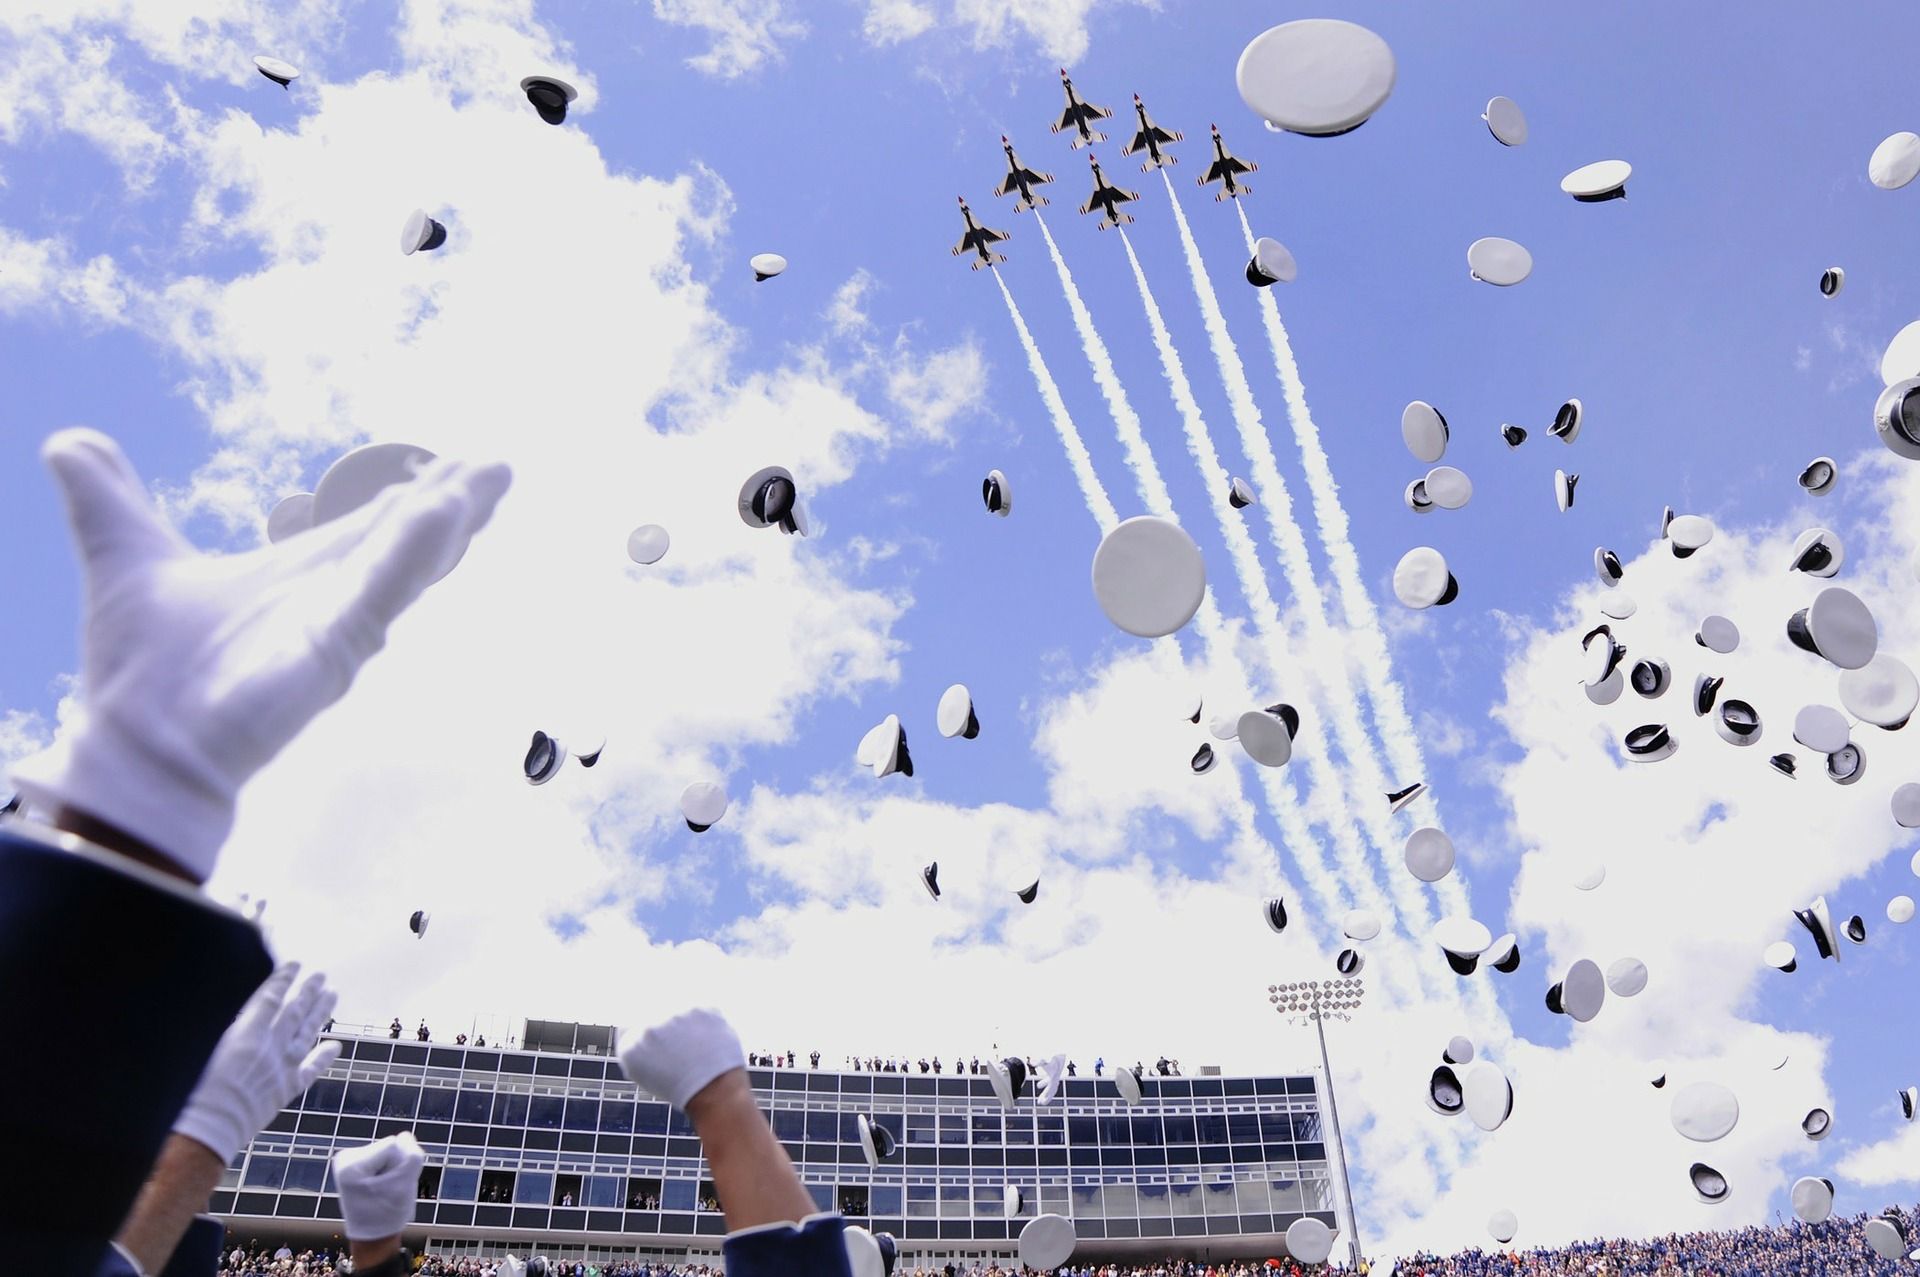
1150,139
1225,169
1079,115
1107,198
977,240
1021,179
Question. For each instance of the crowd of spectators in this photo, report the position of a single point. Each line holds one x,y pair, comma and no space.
283,1261
973,1064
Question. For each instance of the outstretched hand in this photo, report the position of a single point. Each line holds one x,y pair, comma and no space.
199,668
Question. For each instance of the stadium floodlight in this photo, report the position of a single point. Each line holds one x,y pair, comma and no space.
1315,1002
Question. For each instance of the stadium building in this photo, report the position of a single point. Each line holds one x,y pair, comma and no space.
548,1149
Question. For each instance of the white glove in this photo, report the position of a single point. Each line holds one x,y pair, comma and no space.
378,1184
199,668
262,1062
676,1058
512,1266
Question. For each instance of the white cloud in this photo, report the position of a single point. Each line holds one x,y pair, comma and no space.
1059,28
746,33
1893,1160
45,276
892,21
846,313
22,733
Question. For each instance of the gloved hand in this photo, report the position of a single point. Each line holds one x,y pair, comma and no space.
262,1062
199,668
512,1266
676,1058
378,1184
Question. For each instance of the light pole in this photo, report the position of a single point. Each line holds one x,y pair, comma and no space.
1317,1001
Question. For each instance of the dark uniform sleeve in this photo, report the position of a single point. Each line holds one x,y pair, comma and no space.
114,989
816,1247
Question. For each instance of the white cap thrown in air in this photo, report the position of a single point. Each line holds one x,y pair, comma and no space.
1821,728
1708,1184
1900,910
1421,579
1590,878
1649,743
1626,977
1884,1235
1360,924
997,493
1127,1082
1896,417
1816,1124
1819,475
1488,1095
1270,264
1836,626
1563,486
1502,1225
1687,533
1812,1199
1606,566
1240,493
1832,280
1047,1242
1901,359
1906,812
1601,180
1817,552
291,516
420,233
955,714
1444,1095
1265,737
1780,955
1148,576
1497,261
770,498
281,73
1429,853
1895,162
702,804
876,1142
766,265
1309,1240
1882,692
550,96
1317,76
1508,124
1584,990
1448,488
1425,431
648,543
1459,1051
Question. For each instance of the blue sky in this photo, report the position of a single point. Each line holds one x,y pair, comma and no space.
1686,318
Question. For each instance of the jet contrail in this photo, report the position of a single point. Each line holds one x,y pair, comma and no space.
1324,648
1098,502
1325,803
1390,715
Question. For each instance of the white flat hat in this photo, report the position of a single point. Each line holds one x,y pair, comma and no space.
1563,486
1421,579
1649,743
1127,1083
1399,799
281,73
1224,726
1584,990
1819,475
1817,552
1906,812
1349,961
1816,1124
1462,940
1896,418
1818,920
1417,499
1832,280
290,516
1275,913
1708,1184
876,1142
1459,1050
1847,764
1309,1240
1718,634
1895,162
955,714
421,233
1821,728
1148,576
648,543
1444,1093
1781,956
702,804
1317,76
1488,1095
766,265
418,923
1627,977
997,493
1265,738
1836,626
1900,910
1502,1225
1650,678
1883,692
1618,605
1497,261
1046,1242
1901,359
884,749
1812,1199
550,96
1688,532
1608,689
1503,955
1271,263
1008,1078
1601,180
1706,690
1448,488
1909,1103
1603,655
1606,566
1590,878
1704,1111
1429,854
1506,122
771,498
1883,1234
362,474
1425,431
1011,1200
1360,924
1240,493
869,1254
1738,722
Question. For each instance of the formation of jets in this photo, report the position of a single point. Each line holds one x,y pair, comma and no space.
1079,118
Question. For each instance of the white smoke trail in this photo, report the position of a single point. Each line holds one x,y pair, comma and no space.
1081,461
1324,648
1325,805
1390,715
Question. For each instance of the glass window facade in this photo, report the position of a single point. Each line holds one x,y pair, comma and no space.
552,1148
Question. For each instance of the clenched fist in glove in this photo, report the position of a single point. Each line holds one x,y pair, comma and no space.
378,1184
199,668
